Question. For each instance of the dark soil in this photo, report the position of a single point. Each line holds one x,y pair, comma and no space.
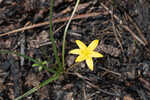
122,26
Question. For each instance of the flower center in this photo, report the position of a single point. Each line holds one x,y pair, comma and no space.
85,53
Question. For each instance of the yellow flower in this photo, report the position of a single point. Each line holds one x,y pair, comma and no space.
86,53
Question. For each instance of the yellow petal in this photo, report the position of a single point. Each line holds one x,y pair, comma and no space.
80,58
81,44
96,54
93,44
89,62
75,51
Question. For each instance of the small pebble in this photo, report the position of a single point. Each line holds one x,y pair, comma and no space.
70,60
5,66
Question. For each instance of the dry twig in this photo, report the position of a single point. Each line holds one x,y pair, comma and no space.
54,21
126,27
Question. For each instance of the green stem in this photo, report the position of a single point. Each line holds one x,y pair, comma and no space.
29,58
52,36
54,77
65,33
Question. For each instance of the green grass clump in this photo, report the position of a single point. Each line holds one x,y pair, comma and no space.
43,64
